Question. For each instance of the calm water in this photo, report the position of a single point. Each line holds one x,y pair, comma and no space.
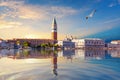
59,65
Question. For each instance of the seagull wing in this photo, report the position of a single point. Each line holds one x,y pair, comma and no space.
91,14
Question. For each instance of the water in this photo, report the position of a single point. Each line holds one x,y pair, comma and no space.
59,65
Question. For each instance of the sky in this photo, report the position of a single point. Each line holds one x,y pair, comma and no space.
33,18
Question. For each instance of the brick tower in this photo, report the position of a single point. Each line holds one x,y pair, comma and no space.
54,30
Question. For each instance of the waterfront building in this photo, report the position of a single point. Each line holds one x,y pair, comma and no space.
6,45
3,44
66,44
33,42
114,44
11,45
89,43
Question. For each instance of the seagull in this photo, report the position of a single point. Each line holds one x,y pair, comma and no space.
91,14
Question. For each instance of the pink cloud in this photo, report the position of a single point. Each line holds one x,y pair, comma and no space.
25,11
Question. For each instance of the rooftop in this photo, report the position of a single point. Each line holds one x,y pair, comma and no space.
90,39
115,41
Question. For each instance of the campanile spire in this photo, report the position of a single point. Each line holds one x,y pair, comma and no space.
54,29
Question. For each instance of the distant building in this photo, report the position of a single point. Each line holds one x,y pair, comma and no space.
66,44
114,44
33,42
3,44
89,43
12,45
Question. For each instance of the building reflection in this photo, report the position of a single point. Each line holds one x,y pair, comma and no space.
54,63
68,53
114,53
83,54
26,53
95,54
13,53
63,54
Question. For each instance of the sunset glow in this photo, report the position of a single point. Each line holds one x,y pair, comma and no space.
33,18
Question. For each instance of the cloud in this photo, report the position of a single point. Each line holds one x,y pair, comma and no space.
21,10
23,32
114,3
111,5
60,11
29,17
6,24
9,7
41,12
112,21
119,1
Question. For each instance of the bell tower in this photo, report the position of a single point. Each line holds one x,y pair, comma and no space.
54,30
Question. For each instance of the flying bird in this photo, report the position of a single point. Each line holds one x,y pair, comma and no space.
91,14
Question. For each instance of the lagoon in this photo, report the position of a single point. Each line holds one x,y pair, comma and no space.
78,64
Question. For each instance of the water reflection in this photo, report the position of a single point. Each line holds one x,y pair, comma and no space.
114,53
84,54
96,65
54,61
68,54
